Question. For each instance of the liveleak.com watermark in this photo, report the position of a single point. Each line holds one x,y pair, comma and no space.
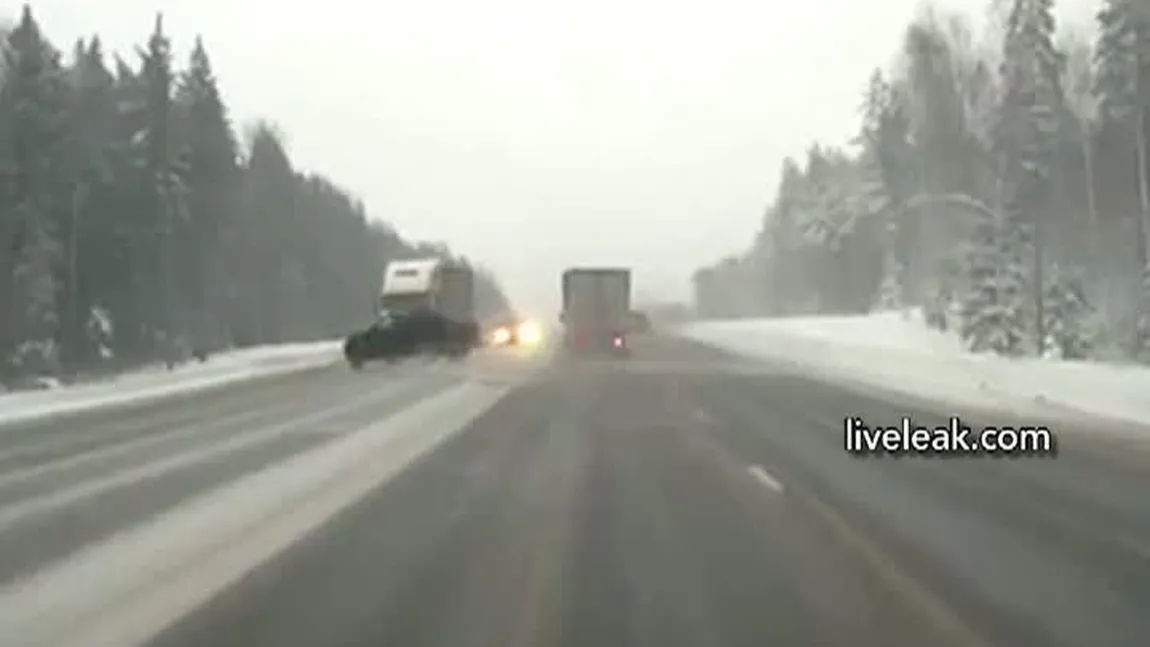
954,439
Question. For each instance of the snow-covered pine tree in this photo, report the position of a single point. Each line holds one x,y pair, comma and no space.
208,152
164,197
33,109
993,310
890,290
935,305
36,287
887,170
1069,314
1027,124
90,241
1122,88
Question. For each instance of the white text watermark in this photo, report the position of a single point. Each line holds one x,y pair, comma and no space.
955,438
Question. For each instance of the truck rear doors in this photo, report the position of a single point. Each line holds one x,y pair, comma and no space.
596,304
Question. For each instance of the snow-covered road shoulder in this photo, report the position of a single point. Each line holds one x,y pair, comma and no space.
896,352
155,383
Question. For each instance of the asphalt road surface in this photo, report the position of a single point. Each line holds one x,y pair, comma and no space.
681,498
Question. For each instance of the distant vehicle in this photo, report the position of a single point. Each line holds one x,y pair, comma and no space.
596,309
503,330
426,307
639,322
513,330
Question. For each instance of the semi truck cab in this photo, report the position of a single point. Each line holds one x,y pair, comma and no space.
437,292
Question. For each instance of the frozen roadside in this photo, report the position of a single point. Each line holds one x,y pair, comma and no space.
155,383
896,353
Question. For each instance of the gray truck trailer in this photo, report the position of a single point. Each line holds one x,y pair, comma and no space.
596,309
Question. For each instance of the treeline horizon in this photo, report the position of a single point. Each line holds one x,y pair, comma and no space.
135,227
998,181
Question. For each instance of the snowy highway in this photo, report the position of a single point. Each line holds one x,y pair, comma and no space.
683,498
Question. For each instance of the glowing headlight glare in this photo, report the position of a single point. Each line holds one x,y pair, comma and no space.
501,336
529,332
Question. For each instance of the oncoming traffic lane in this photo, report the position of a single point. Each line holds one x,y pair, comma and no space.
953,439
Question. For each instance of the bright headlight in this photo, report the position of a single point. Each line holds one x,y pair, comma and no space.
501,336
529,333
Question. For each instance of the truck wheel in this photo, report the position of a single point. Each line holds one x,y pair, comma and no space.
355,363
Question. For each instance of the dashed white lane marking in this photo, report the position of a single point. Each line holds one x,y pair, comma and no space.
899,580
762,476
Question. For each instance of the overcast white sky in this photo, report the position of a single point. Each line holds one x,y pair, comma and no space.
534,135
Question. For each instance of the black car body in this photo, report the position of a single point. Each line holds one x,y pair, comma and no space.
395,336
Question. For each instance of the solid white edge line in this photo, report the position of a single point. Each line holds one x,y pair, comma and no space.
762,476
126,590
115,448
184,385
18,511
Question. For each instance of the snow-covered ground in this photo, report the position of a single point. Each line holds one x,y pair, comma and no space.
158,382
890,351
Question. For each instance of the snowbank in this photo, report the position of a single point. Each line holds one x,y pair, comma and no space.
153,383
900,353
